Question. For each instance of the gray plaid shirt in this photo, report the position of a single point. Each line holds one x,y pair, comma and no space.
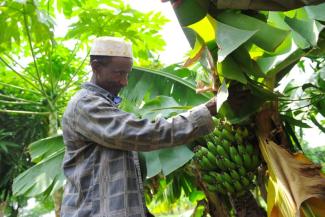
101,163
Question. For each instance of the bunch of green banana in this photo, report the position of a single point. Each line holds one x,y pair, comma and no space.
228,160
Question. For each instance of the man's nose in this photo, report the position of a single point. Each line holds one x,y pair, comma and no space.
124,80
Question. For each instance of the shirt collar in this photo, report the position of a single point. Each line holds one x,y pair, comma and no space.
93,87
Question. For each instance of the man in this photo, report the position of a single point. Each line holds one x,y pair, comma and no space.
101,163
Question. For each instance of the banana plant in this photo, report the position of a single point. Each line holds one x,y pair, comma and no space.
234,46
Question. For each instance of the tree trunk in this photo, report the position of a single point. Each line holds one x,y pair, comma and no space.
53,130
3,206
246,206
57,197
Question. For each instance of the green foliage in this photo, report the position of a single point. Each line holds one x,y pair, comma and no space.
303,105
172,81
40,73
43,205
119,19
317,155
46,176
172,194
166,160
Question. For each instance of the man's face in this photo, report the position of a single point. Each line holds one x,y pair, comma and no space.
113,76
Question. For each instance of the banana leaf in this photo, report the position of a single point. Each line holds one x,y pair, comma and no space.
296,186
270,5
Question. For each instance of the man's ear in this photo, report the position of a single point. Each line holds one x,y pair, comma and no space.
95,65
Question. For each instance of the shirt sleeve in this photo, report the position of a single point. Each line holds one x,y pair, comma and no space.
106,125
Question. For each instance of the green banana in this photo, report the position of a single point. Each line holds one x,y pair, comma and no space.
229,164
210,156
212,187
221,189
217,133
204,150
229,188
220,163
228,127
238,160
226,177
238,138
212,148
215,140
238,186
213,174
221,151
234,174
227,135
245,181
226,145
199,153
207,178
218,177
255,162
249,149
206,164
241,149
242,171
247,161
233,152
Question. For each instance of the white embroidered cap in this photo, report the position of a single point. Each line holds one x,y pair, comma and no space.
111,46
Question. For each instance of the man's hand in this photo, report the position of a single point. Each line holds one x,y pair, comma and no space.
212,106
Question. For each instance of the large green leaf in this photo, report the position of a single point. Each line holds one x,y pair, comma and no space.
273,65
270,5
316,12
170,159
161,106
46,175
191,11
306,31
166,160
151,83
230,38
242,57
45,147
230,69
42,176
264,31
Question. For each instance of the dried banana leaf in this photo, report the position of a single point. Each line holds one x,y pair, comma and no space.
293,181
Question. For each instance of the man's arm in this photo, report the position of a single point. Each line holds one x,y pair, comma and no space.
98,121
